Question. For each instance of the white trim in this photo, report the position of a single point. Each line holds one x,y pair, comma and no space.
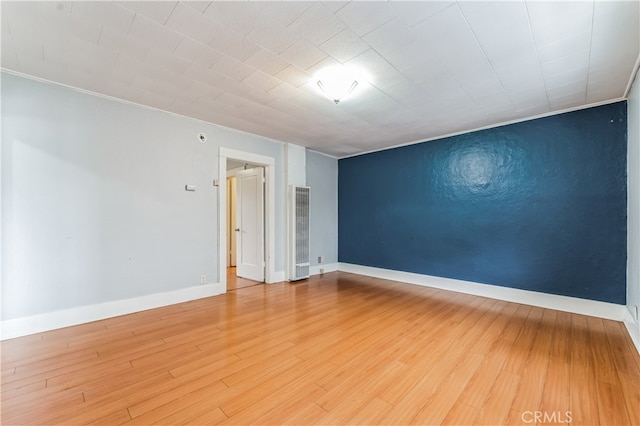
132,103
636,67
574,305
74,316
269,209
328,267
322,153
634,330
83,314
222,220
490,126
250,157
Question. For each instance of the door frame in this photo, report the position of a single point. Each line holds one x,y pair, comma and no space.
269,210
231,202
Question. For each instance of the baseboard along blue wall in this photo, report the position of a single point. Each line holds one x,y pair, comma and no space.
538,205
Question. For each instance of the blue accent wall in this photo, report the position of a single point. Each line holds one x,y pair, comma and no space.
538,205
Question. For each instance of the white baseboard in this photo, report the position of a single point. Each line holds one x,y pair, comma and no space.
68,317
575,305
326,267
634,330
73,316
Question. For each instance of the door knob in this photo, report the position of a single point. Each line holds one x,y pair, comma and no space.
237,229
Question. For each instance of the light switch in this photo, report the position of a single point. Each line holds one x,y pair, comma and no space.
189,187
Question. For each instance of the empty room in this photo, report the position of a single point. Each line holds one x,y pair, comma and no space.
320,212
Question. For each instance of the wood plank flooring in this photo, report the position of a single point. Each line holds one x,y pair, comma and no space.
234,282
336,349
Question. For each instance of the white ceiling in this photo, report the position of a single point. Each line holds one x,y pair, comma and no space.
436,68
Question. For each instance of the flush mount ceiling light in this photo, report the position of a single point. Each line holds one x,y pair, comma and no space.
338,83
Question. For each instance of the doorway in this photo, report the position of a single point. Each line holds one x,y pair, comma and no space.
233,160
245,225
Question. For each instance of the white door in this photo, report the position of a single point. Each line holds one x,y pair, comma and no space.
250,224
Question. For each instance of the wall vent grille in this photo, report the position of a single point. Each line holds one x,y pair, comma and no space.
300,232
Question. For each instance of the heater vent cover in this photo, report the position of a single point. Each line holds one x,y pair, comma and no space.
299,232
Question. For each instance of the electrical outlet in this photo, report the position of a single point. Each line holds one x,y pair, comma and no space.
636,306
203,279
321,271
320,260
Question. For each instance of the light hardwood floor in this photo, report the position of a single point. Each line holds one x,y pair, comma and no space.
235,282
335,349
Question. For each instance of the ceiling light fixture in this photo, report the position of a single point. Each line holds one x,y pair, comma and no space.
337,83
337,90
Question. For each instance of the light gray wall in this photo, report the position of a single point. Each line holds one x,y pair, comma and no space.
633,201
322,177
93,201
296,164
